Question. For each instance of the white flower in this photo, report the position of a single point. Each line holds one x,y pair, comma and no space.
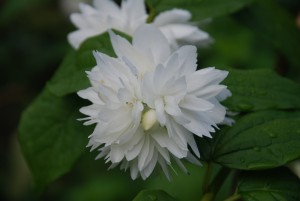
106,14
174,25
148,102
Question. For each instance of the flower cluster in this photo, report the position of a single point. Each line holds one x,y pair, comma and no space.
106,15
149,101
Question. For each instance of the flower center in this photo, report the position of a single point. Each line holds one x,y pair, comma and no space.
149,119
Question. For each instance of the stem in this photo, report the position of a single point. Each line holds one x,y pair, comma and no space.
234,197
207,177
151,16
151,12
215,185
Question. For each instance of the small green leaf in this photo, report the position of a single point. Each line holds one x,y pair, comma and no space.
262,89
70,76
200,9
260,140
51,137
271,185
153,195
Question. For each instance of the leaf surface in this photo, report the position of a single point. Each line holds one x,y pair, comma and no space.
271,185
51,137
259,140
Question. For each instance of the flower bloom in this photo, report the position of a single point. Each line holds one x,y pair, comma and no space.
149,102
106,14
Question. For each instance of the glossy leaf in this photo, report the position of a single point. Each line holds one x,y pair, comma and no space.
254,90
51,137
260,140
70,76
271,185
153,195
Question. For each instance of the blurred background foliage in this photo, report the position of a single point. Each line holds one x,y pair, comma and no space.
33,43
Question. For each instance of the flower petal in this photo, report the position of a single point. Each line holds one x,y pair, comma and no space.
124,49
191,102
171,17
151,42
77,37
107,6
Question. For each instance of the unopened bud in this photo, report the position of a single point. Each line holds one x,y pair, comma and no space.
149,119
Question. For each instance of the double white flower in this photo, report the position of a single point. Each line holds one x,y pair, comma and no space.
148,102
106,15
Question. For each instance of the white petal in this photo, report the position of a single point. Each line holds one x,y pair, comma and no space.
144,154
91,110
181,63
200,122
175,87
223,95
160,111
164,168
193,159
151,42
148,90
227,121
124,95
217,114
185,32
90,94
193,145
107,6
197,104
166,142
150,153
164,153
294,166
205,77
77,37
171,17
188,59
150,167
135,151
87,9
79,21
180,164
116,154
124,49
134,170
171,106
210,91
135,10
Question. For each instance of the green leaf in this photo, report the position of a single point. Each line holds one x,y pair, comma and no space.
51,137
70,76
271,185
270,21
260,140
200,9
153,195
262,89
